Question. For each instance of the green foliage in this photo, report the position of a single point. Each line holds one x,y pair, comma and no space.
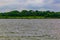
30,14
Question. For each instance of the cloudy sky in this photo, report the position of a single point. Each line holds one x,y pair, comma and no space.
9,5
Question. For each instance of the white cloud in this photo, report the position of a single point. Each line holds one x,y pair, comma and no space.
35,2
7,2
28,4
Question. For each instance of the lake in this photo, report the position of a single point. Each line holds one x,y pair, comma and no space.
29,29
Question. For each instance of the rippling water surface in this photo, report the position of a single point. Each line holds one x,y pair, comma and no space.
29,29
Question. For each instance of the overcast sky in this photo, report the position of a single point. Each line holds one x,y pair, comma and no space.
9,5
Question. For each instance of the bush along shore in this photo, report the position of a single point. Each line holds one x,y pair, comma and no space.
24,14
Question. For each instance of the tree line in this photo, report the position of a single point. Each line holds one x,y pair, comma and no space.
30,13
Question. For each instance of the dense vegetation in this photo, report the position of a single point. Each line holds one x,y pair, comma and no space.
29,14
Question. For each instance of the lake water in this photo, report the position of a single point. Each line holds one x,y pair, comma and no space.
29,29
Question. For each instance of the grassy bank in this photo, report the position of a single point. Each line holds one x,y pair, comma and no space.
23,17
